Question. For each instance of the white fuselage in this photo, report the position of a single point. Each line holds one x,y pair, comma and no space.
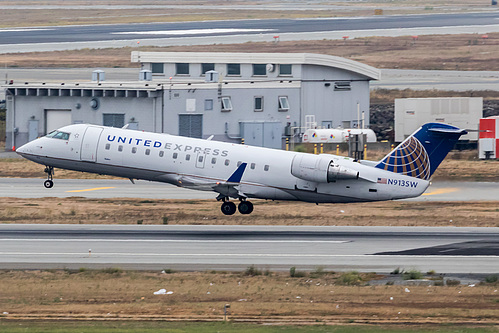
198,164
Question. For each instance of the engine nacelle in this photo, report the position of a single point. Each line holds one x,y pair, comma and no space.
320,169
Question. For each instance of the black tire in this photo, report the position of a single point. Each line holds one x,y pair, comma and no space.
228,208
48,183
245,207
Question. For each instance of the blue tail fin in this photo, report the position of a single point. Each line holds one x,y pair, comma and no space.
421,153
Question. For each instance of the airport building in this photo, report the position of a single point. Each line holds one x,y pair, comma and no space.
259,97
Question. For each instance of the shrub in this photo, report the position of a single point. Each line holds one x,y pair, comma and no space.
451,282
412,275
252,271
165,219
350,279
491,279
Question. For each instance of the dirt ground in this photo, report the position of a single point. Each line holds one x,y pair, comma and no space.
456,52
318,297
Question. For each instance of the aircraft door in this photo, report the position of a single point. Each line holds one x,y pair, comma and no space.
200,160
89,144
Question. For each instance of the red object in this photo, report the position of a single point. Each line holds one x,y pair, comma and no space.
485,36
487,128
14,148
345,37
414,37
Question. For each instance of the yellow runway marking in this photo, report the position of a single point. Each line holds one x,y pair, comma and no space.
442,191
91,189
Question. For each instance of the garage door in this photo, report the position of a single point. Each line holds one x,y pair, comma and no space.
55,119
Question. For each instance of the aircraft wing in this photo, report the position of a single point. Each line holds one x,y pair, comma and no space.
225,188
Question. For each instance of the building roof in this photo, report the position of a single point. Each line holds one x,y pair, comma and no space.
258,58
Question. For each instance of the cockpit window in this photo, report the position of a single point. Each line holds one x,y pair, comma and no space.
58,135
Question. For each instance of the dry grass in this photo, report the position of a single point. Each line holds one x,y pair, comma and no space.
77,210
112,294
456,52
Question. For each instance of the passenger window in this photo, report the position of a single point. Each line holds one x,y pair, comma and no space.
266,168
108,146
134,150
252,165
120,148
227,162
200,159
148,151
161,153
188,157
239,163
214,160
175,155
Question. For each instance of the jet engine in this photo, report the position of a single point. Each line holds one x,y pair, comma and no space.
320,169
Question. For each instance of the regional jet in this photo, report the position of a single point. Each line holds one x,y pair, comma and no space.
242,172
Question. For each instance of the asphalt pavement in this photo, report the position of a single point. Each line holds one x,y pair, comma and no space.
368,249
123,188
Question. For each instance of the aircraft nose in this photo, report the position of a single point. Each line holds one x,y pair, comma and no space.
24,149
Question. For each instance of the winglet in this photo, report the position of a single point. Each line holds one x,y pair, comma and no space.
238,174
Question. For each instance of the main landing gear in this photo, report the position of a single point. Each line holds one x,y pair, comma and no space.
229,208
50,173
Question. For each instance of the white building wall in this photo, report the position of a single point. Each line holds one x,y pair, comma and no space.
463,112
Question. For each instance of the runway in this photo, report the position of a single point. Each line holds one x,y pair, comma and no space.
240,31
368,249
123,188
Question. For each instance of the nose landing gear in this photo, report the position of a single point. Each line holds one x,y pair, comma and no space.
50,173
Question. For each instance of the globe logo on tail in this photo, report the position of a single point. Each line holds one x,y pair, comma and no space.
410,159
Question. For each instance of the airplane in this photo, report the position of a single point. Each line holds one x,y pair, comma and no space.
243,172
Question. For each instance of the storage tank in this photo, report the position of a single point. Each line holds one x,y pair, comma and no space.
335,135
371,136
329,135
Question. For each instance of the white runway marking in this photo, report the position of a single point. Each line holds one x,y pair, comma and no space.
269,255
24,29
189,32
166,240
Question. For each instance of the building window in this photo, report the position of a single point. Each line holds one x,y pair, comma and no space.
108,146
181,68
226,104
283,103
233,69
157,68
134,150
148,151
208,104
259,69
227,162
161,153
285,69
342,86
207,67
113,119
259,103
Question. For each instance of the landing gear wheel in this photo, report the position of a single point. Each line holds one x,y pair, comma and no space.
245,207
50,173
228,208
